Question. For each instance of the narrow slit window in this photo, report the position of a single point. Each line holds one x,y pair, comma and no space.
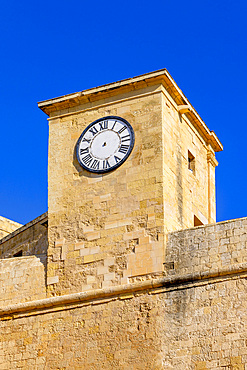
18,254
197,222
191,162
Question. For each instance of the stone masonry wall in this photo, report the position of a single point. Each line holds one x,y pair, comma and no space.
31,239
181,328
209,248
185,191
21,279
191,319
106,228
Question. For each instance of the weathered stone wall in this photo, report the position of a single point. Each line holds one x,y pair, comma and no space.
7,226
120,295
115,335
103,227
191,319
206,326
185,191
21,279
106,230
184,327
215,247
31,239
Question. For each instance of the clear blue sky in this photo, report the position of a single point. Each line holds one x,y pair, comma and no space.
53,48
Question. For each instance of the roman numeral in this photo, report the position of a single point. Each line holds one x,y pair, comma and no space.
93,130
114,125
103,125
123,149
87,159
125,138
122,129
117,159
95,164
84,151
106,164
84,139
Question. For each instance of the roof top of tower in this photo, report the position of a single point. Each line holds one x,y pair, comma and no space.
148,79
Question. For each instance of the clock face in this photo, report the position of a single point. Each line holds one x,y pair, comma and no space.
105,144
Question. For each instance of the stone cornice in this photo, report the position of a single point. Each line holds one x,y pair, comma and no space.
122,87
43,217
128,291
211,159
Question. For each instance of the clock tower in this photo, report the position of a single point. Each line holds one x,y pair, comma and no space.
128,162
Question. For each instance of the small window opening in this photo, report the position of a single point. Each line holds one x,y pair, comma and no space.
191,162
18,254
197,222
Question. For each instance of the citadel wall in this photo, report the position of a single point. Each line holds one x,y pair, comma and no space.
113,284
21,279
193,318
208,249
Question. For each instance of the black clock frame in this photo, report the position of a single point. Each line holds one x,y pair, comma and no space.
117,164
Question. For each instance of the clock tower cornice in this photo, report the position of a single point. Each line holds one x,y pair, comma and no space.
162,77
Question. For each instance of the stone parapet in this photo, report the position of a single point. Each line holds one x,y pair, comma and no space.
30,239
207,248
22,279
152,286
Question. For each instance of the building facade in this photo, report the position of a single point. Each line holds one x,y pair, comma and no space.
128,269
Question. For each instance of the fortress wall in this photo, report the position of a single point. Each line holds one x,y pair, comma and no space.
209,248
120,334
183,322
205,326
180,328
7,226
21,279
31,239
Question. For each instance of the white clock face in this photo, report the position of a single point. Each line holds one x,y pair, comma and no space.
105,144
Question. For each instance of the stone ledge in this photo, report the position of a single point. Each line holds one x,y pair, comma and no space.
120,292
208,225
148,79
20,259
43,218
